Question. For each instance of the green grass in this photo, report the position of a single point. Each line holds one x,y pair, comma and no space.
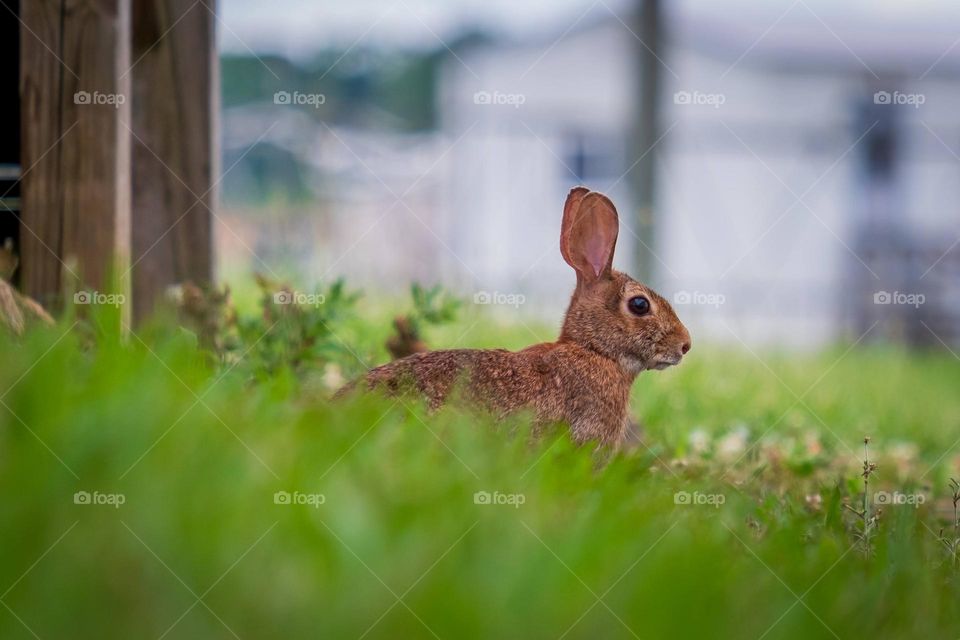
400,549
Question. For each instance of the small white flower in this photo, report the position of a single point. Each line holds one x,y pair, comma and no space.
699,441
733,444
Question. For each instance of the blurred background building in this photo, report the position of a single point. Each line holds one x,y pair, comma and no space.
785,171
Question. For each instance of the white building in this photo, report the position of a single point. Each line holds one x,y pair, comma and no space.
789,189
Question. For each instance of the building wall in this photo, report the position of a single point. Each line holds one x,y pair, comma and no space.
730,233
561,123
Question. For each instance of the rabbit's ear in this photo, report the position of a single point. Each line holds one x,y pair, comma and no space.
589,234
570,207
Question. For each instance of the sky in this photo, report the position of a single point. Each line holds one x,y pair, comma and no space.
300,27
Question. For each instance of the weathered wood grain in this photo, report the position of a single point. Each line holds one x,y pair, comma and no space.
76,149
95,159
175,89
40,96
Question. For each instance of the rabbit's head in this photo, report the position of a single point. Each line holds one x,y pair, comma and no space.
610,312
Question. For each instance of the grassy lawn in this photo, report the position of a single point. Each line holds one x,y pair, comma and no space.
236,500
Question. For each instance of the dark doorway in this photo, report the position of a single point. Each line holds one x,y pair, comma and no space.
10,131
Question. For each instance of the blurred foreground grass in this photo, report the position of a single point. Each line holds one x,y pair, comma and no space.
252,507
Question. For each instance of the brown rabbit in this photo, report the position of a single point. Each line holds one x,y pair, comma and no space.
614,328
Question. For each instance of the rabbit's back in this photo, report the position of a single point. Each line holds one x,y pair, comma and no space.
557,381
500,380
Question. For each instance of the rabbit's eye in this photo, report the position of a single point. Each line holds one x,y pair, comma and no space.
639,306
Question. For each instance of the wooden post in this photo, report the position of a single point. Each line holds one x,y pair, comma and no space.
649,23
75,106
41,132
175,92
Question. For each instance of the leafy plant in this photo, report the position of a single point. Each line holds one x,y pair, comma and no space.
431,306
868,520
952,540
295,329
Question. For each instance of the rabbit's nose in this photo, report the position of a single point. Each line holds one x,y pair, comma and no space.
685,347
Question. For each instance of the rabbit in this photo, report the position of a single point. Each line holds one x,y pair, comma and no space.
614,328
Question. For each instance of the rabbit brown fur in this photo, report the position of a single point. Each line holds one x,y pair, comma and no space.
583,378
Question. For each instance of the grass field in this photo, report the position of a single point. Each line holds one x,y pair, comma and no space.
149,493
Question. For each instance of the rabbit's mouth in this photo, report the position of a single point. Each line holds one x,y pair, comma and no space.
662,363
